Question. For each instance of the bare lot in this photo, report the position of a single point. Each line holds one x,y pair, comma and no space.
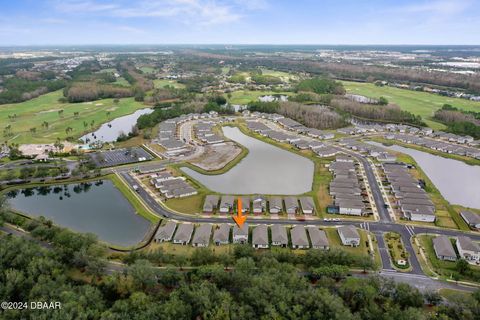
215,157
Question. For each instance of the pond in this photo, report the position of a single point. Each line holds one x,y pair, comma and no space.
265,170
96,207
111,130
458,182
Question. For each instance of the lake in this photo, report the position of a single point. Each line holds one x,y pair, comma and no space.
458,182
265,170
96,207
111,130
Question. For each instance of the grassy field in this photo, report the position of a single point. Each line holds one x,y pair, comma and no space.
32,113
285,76
421,103
160,83
147,69
245,96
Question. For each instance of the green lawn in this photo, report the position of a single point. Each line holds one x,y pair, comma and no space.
160,83
147,69
34,112
396,249
421,103
285,76
245,96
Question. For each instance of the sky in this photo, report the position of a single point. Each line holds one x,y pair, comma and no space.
83,22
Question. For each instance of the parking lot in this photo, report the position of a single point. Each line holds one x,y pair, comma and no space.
120,156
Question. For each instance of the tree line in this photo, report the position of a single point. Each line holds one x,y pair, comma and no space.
459,121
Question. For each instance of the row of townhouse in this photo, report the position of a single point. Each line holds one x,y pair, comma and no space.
258,204
171,186
374,151
345,187
412,200
167,132
467,249
451,147
204,132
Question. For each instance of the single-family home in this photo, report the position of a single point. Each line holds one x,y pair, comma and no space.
279,235
165,232
240,235
291,205
183,234
201,238
468,249
444,249
221,235
308,206
260,237
211,203
245,204
299,238
226,204
471,218
318,238
349,235
275,204
259,204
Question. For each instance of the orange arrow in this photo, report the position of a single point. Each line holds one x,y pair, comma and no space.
239,218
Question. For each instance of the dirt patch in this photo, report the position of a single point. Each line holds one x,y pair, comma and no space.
216,157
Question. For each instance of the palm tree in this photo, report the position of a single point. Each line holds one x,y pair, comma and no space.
45,125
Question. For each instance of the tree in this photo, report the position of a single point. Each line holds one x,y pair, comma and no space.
33,130
462,266
60,113
433,298
382,101
143,274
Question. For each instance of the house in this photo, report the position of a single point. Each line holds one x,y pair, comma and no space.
444,249
240,235
308,207
226,204
318,238
221,235
260,237
471,218
279,235
259,204
291,205
468,249
418,212
201,238
183,234
211,203
245,204
165,232
352,207
299,238
349,236
275,204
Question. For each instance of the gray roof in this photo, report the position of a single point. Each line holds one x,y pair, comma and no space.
184,232
166,231
243,231
349,232
211,202
202,234
299,236
260,235
227,201
275,201
470,217
467,244
222,233
279,234
318,237
307,203
291,202
443,247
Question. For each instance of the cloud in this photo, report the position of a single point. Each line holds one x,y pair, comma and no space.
53,21
199,12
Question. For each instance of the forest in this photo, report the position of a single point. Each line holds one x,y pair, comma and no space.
459,121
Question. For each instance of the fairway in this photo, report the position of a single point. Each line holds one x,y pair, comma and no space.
32,113
160,83
420,103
